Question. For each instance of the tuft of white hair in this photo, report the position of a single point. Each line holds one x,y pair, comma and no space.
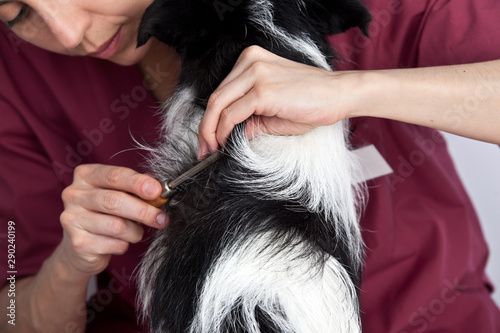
290,290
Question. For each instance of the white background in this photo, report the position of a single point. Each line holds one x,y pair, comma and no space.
478,164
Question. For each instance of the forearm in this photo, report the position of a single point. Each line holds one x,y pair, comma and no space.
51,301
281,97
462,99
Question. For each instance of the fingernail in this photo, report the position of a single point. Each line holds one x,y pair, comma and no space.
162,220
150,188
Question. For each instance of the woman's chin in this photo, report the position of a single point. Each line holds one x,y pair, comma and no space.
131,56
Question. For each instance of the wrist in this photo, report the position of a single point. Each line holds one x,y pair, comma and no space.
65,272
367,94
57,289
356,93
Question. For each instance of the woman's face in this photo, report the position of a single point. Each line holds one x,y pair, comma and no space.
104,29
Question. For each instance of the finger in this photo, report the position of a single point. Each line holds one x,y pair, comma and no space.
106,245
218,103
125,206
89,245
246,62
119,178
248,56
234,114
257,125
111,226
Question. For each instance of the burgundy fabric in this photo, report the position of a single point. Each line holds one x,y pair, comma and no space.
425,253
424,268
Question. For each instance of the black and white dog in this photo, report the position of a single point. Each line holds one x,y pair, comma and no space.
266,239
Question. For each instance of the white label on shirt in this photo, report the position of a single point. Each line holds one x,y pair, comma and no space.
373,165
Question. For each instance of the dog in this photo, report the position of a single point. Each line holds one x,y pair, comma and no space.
266,239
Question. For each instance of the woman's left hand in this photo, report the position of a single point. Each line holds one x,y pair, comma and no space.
276,95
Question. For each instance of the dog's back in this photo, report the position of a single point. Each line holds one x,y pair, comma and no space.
266,240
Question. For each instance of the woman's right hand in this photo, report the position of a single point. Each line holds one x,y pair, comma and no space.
101,219
275,96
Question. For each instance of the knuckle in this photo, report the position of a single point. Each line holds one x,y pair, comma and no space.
116,227
143,213
111,201
226,114
136,181
137,236
69,194
259,68
251,52
78,242
121,247
83,170
113,176
67,218
214,98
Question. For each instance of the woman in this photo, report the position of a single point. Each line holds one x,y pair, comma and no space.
98,213
97,104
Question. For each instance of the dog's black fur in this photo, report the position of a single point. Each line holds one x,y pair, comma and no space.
210,35
208,212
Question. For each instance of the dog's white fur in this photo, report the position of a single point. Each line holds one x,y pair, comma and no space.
251,275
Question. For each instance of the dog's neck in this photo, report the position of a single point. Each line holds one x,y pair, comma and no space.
160,68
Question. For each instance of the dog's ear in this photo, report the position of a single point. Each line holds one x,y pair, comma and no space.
188,23
337,16
173,22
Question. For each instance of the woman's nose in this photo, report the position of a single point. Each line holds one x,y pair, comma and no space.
67,22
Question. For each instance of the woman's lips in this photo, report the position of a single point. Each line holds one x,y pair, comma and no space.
108,49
